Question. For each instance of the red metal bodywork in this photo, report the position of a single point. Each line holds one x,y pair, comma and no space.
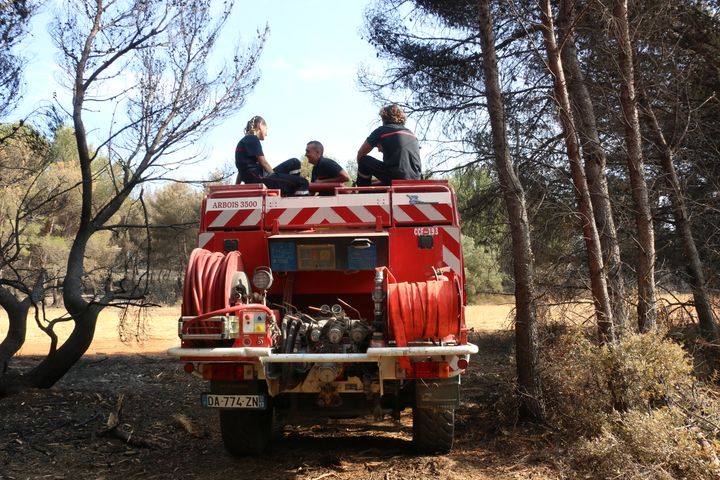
251,214
389,261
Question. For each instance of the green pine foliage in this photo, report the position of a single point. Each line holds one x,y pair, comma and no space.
482,269
41,206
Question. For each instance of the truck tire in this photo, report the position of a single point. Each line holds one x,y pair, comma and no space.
246,433
433,429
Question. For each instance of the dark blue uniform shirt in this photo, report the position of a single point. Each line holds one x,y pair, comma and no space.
246,153
401,151
325,168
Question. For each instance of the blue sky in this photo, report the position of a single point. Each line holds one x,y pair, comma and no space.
308,87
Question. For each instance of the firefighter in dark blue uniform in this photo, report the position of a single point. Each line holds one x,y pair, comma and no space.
253,167
400,149
325,170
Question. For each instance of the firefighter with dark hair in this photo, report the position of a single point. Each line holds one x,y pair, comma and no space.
400,149
253,167
325,170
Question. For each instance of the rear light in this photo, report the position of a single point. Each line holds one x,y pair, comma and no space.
430,370
462,364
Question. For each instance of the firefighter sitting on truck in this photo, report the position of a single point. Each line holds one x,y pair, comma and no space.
253,167
400,149
325,170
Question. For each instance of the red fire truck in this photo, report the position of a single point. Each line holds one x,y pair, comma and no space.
349,303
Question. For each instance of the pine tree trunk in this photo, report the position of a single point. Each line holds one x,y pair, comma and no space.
532,405
595,162
17,312
58,362
647,309
598,282
703,308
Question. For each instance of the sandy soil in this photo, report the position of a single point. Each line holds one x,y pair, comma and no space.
161,329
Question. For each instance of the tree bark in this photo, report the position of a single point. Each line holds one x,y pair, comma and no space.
703,308
532,405
57,363
598,282
84,315
595,162
17,311
647,309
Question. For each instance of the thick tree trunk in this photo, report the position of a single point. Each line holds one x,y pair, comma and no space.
595,161
57,363
84,314
706,317
17,311
647,309
598,282
532,405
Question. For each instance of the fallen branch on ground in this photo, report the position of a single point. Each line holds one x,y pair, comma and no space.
112,427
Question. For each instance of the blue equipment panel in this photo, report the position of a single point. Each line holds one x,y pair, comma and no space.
362,258
283,256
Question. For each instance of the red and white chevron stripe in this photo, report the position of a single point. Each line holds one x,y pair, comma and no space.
348,210
422,207
429,208
452,248
204,238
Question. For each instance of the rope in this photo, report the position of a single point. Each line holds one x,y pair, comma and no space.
208,281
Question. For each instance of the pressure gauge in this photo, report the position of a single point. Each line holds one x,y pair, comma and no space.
262,278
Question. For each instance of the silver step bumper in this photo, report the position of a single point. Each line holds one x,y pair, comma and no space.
265,355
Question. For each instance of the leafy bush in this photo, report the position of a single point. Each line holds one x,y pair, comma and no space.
586,382
634,408
649,445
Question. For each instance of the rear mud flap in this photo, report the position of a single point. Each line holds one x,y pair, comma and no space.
437,393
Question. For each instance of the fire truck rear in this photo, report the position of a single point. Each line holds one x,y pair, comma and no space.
345,304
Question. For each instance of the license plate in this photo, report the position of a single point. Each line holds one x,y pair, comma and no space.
212,400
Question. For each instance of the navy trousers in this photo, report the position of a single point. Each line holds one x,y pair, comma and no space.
372,167
285,177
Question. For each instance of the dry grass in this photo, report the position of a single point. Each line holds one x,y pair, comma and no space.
633,410
160,333
161,329
490,316
495,313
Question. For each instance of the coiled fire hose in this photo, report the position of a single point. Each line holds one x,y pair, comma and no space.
209,281
423,310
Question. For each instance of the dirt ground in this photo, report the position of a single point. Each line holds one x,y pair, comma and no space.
163,432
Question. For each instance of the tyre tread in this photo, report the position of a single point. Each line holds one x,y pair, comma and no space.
433,429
